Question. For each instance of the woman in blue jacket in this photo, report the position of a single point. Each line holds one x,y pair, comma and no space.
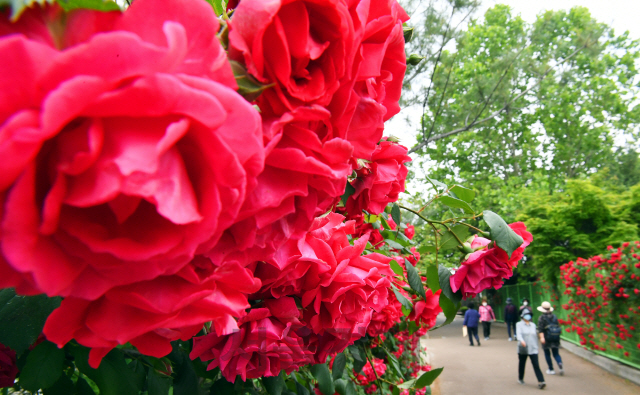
471,319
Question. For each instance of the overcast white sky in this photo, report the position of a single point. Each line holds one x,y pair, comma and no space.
622,15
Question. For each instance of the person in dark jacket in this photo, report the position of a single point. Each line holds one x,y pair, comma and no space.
549,332
510,317
525,306
471,319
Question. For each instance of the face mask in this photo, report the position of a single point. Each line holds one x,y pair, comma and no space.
484,303
527,317
525,303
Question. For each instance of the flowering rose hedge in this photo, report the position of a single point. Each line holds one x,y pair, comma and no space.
201,198
604,301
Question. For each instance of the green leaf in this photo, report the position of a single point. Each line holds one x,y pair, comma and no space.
396,214
223,387
427,378
406,303
449,241
219,6
157,384
462,193
248,87
346,387
413,327
433,279
186,381
22,318
396,267
407,385
325,382
83,387
113,376
44,367
394,244
501,233
339,363
348,191
444,276
425,249
98,5
449,309
414,280
358,359
456,203
396,391
63,386
437,185
301,390
393,362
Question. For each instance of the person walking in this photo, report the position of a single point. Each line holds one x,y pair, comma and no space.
525,306
549,331
528,348
510,317
486,317
471,318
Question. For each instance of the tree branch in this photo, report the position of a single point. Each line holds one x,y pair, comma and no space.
477,122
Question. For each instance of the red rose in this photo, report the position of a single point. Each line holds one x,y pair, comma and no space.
304,47
425,312
8,367
153,313
364,103
410,231
265,344
368,375
387,318
414,257
305,173
123,156
487,267
381,181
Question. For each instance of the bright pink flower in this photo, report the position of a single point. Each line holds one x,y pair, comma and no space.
8,367
304,47
305,173
381,181
410,231
153,313
368,376
414,258
387,318
365,101
424,313
487,267
265,344
125,154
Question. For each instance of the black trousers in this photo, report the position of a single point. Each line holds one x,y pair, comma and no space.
486,328
536,367
473,331
511,324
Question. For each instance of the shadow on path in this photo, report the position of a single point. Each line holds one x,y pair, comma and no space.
493,367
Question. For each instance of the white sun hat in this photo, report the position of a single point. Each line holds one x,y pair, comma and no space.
545,307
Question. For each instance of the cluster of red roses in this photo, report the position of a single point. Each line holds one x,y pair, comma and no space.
138,184
604,298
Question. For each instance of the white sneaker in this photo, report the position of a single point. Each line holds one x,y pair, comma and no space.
520,381
510,339
551,371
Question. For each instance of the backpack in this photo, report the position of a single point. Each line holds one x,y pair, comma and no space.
553,331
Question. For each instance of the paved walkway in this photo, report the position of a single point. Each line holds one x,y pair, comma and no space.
493,368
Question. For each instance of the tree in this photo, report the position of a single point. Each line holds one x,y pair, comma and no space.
542,100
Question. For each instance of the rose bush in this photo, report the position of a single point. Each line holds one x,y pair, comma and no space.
178,226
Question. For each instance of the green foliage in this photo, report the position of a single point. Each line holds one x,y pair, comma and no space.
578,222
22,318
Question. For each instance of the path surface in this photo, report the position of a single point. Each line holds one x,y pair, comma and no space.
493,368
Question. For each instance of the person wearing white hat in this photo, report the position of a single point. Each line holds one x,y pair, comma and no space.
549,331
